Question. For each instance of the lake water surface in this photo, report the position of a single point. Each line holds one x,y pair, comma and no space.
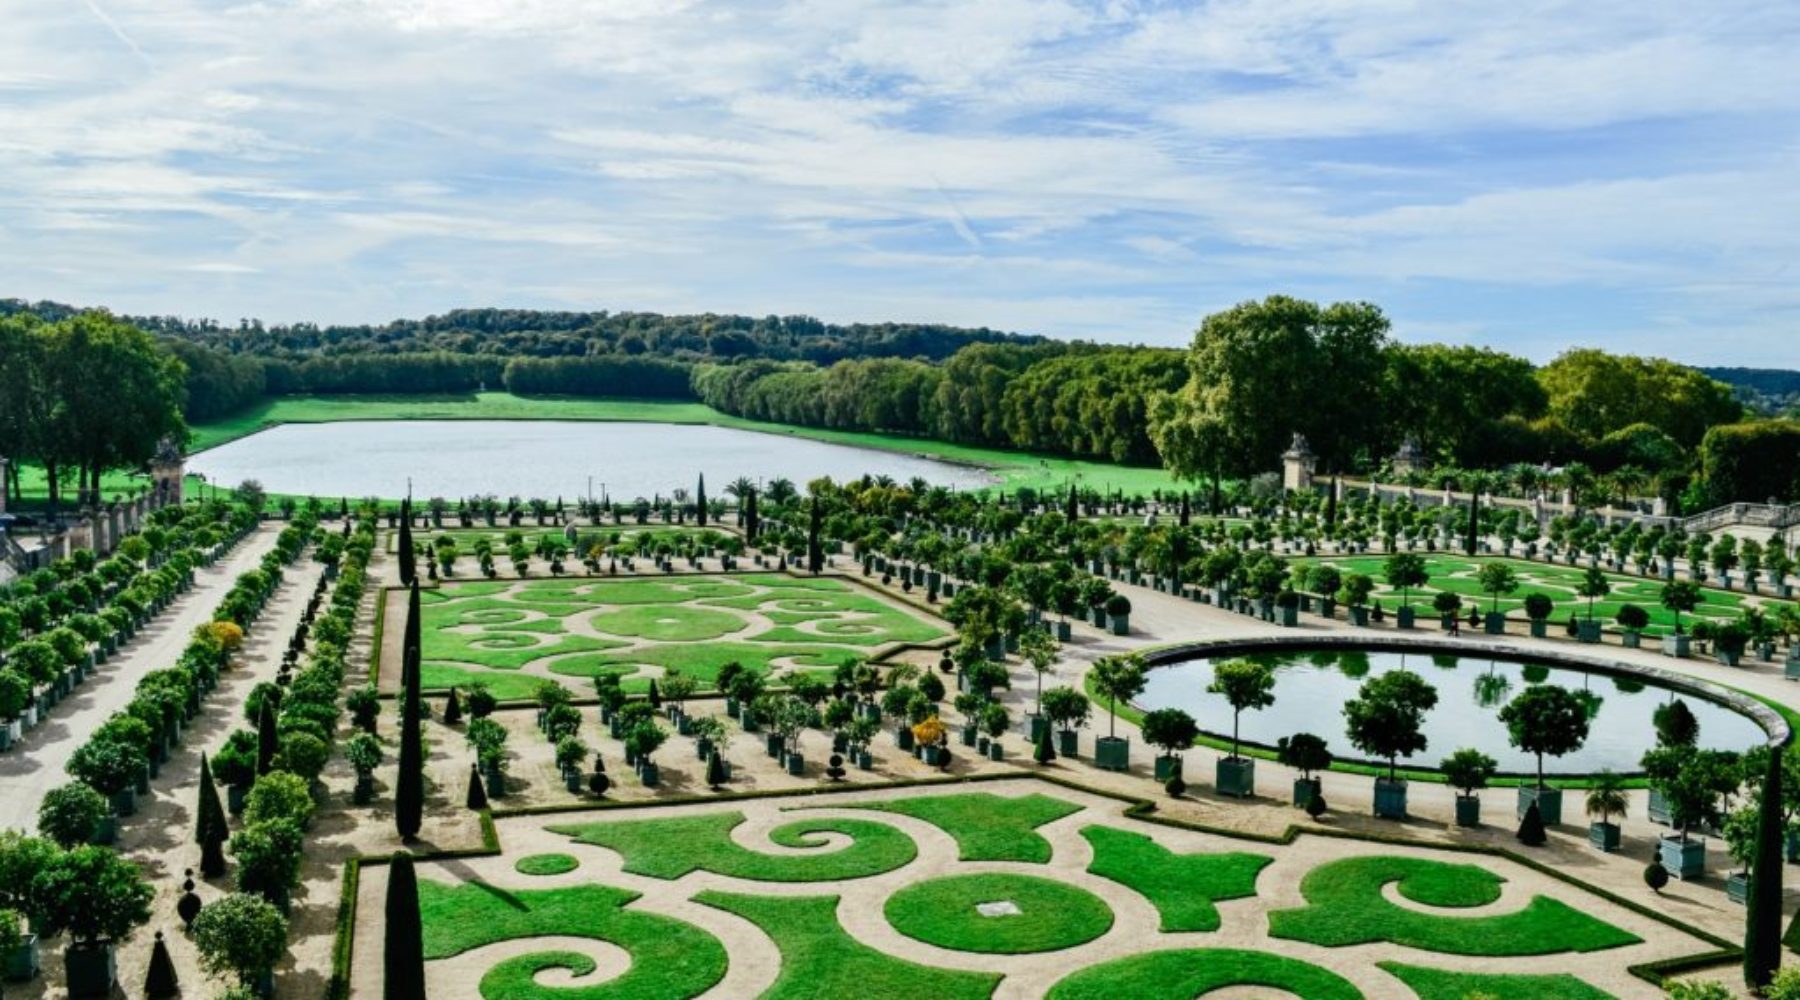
543,458
1312,686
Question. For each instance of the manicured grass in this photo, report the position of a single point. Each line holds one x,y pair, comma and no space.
1347,908
1192,972
819,961
1182,887
670,848
669,958
507,685
692,624
1559,582
1015,469
1052,915
1443,984
987,827
546,864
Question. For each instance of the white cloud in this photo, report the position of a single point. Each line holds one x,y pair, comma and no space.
1110,170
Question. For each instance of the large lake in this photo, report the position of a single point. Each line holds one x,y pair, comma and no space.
464,458
1312,686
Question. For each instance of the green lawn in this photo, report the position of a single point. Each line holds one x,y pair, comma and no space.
819,961
986,827
1457,574
493,630
1347,908
1443,984
669,958
1015,469
1192,972
546,864
1182,887
670,848
1052,915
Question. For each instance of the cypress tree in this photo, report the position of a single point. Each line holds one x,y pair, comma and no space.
403,959
748,516
477,799
815,556
1072,511
408,572
210,830
700,500
161,983
453,709
1186,512
412,639
1043,753
715,770
652,695
1762,931
267,739
1474,525
409,792
1331,500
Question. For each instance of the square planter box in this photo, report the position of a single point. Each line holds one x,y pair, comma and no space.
1539,628
772,745
92,970
1659,808
1360,616
865,760
1588,630
1468,810
1035,726
1495,623
1167,766
1390,798
1737,887
1288,617
1119,624
1235,776
650,775
496,784
124,803
21,964
1631,640
796,764
1068,743
931,755
970,736
995,751
1304,790
1549,802
1604,836
1684,859
1112,753
1677,645
234,797
903,738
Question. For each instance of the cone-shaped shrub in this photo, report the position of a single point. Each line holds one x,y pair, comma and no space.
210,827
1531,828
453,709
1043,752
477,793
715,770
404,957
409,788
161,982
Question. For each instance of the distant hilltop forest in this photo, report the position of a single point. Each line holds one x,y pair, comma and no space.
1769,391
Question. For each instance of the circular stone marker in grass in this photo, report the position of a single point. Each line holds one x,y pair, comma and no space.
668,623
546,864
998,914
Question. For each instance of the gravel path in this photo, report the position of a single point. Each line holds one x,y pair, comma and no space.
36,764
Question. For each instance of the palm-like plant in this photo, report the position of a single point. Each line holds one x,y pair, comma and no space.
1606,796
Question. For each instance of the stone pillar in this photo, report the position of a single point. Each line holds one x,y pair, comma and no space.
167,470
115,522
1297,466
98,539
81,536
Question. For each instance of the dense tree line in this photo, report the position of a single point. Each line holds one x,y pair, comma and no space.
1769,391
217,383
545,334
603,375
84,395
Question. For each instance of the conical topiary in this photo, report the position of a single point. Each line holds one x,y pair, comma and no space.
477,792
1531,828
715,770
1043,752
409,787
161,983
210,828
403,960
653,696
453,709
268,740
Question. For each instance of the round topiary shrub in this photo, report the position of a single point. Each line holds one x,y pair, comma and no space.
1315,806
1175,787
1656,876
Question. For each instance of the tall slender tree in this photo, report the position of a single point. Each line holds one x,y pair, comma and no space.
403,958
412,637
700,500
1762,930
747,515
1072,510
409,789
210,828
408,570
268,740
1474,529
815,556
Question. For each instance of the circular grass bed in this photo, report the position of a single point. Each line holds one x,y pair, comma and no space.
668,623
1043,915
546,864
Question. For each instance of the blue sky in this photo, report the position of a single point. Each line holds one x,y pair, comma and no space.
1530,176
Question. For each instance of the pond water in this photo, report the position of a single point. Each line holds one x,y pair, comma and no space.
1311,687
542,458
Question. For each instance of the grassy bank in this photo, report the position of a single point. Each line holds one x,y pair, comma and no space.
1015,469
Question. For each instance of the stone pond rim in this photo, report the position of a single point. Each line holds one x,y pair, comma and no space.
1774,726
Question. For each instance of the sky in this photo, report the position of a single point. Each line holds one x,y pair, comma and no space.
1529,176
